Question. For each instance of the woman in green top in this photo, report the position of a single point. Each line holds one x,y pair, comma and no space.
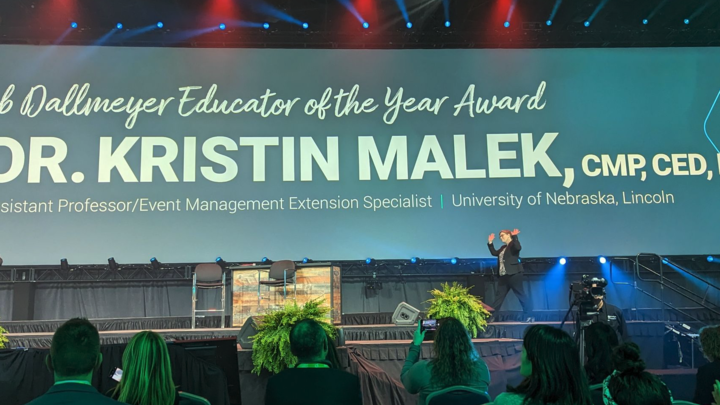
550,364
456,362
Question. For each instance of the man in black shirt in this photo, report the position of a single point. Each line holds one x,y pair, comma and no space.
604,313
312,381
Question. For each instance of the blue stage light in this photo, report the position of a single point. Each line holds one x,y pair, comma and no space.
413,260
73,25
264,260
506,24
218,259
369,260
686,21
665,260
710,259
366,25
409,24
447,24
119,26
266,26
602,260
548,22
305,26
587,23
454,260
645,21
563,261
305,260
222,26
160,24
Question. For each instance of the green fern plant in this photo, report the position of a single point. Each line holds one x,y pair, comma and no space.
271,344
3,339
456,302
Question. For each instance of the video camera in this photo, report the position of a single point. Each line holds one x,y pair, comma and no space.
583,293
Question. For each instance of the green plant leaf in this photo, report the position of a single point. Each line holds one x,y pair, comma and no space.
271,344
456,301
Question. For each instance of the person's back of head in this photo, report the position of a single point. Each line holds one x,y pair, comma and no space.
630,384
455,355
308,341
710,342
600,340
551,366
147,374
75,350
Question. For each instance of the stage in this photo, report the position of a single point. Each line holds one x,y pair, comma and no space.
376,353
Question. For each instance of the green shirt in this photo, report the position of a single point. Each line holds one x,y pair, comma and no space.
416,375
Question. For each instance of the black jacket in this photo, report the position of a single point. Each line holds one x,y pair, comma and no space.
511,256
704,382
313,386
73,394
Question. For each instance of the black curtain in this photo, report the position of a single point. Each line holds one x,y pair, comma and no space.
27,375
6,297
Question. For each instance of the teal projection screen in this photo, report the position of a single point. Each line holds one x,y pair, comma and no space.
189,154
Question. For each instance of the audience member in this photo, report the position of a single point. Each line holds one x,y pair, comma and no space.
630,384
707,374
147,374
600,340
74,355
313,381
550,363
456,362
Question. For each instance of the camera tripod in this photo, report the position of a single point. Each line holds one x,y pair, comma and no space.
583,324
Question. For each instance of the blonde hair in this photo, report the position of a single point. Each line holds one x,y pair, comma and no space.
147,375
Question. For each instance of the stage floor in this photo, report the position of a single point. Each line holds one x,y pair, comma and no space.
38,334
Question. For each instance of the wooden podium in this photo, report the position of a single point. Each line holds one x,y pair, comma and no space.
314,281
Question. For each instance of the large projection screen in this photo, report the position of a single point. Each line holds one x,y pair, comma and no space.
189,154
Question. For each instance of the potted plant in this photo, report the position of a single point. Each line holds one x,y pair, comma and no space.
3,339
271,344
456,302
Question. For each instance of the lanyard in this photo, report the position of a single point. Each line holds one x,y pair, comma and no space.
73,382
312,365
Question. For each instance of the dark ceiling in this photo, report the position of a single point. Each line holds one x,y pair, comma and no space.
474,23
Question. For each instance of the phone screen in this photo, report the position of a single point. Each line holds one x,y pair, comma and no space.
116,374
428,324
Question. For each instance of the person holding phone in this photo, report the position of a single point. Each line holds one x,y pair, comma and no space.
456,361
510,271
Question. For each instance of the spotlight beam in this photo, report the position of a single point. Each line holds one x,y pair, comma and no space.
556,7
596,12
351,8
403,9
656,9
511,11
700,10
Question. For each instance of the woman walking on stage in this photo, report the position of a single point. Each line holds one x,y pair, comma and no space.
510,271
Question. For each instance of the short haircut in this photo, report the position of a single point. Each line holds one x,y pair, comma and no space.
307,338
506,231
75,348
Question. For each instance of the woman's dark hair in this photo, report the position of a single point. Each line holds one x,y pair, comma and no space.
710,342
455,356
633,385
556,377
600,340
